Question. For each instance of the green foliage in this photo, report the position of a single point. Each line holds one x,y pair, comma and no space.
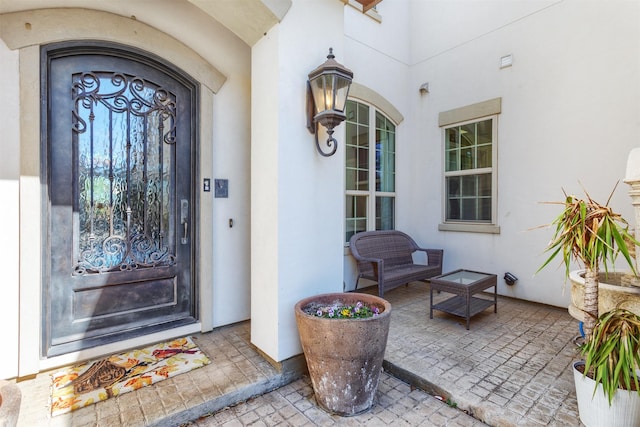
590,233
613,352
594,235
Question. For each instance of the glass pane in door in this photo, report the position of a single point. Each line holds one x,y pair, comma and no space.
125,138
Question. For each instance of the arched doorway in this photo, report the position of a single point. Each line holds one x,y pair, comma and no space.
119,156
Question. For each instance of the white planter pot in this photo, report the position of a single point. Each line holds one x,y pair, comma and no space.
595,410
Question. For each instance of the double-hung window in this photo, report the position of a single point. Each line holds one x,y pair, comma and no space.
470,141
469,171
370,169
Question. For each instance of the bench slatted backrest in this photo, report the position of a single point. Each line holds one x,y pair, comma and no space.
395,247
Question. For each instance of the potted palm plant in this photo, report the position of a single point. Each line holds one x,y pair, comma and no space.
607,387
594,235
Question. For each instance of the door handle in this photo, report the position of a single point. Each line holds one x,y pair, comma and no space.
184,220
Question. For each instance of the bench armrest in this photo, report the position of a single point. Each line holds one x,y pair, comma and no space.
434,256
377,264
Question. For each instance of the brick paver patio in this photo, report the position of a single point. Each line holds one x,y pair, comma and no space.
510,369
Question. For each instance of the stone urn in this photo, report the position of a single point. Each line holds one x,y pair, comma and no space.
344,355
10,397
614,289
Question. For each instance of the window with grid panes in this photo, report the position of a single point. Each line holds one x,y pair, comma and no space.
469,156
370,169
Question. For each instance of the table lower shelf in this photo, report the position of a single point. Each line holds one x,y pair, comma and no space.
458,306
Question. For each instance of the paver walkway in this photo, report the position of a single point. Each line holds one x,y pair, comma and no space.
397,404
510,369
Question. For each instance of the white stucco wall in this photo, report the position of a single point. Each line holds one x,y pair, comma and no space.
297,194
265,207
570,116
9,200
379,52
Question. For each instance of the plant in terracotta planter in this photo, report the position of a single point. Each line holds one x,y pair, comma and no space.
344,337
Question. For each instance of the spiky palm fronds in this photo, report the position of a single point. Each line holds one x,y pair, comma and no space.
593,235
613,353
590,233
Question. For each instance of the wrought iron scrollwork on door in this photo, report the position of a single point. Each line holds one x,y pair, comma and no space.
124,140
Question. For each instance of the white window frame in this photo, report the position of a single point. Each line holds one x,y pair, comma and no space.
471,114
371,194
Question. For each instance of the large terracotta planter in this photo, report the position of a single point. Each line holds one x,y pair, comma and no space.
344,356
594,408
613,289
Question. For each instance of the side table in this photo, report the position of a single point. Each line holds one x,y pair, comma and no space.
464,284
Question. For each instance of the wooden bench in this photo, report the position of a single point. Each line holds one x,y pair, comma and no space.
385,257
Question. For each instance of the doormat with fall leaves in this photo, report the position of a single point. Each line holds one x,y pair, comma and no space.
91,382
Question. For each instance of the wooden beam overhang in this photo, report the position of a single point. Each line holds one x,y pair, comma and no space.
368,4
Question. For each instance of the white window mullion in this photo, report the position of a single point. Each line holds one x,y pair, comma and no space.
372,169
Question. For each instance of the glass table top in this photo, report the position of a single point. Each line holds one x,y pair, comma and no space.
464,277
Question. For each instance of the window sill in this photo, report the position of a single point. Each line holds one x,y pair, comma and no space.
470,228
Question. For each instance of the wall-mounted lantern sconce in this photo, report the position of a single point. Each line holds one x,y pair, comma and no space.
327,91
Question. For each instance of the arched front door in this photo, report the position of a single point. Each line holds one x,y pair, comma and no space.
119,135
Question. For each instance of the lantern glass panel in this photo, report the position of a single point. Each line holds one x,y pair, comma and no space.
322,88
341,92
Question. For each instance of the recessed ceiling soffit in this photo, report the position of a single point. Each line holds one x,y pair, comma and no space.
248,19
